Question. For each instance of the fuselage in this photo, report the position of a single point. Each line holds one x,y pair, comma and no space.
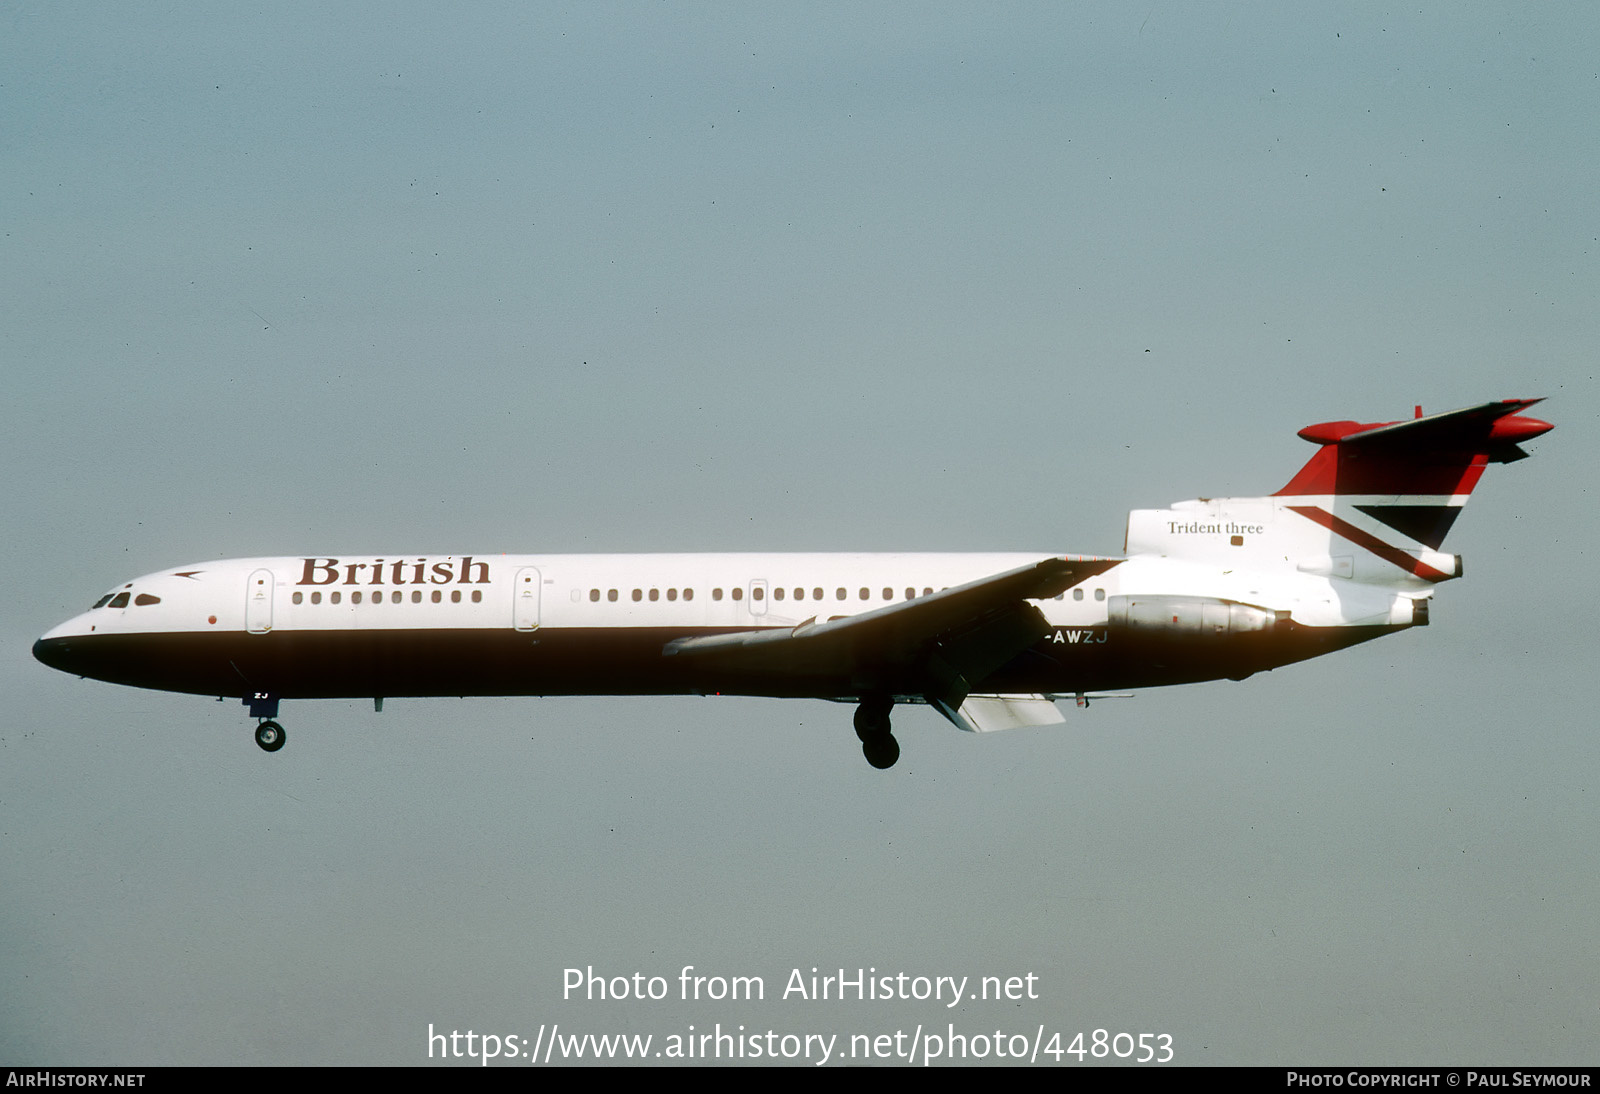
1349,550
423,625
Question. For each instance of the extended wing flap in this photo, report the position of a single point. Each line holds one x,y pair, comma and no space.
991,713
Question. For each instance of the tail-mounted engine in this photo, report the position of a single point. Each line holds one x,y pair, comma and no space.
1175,639
1185,616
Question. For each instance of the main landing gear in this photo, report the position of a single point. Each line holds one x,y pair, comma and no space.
270,736
872,727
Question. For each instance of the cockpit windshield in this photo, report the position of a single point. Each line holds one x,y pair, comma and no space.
119,599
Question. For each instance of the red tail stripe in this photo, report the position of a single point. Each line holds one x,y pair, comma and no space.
1388,553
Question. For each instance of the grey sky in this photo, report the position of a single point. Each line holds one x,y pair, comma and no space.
617,277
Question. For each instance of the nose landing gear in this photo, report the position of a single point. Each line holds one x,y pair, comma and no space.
270,736
873,729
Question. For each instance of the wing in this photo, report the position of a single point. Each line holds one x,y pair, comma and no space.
989,713
935,647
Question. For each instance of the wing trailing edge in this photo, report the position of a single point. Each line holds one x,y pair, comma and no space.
935,645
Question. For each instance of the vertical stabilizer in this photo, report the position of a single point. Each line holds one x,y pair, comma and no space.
1412,476
1373,505
1391,491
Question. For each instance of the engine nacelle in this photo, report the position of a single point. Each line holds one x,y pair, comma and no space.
1175,616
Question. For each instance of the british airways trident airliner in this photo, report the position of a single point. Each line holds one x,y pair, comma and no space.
1347,551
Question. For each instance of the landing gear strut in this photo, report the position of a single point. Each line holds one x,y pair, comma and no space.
270,736
872,727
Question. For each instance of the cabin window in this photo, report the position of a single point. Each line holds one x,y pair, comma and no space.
888,594
1077,594
333,597
395,597
297,597
816,594
355,598
1099,594
840,594
866,593
477,596
672,594
594,596
638,595
655,594
611,595
416,596
688,594
738,594
758,593
777,594
316,598
716,594
911,594
927,592
437,596
455,596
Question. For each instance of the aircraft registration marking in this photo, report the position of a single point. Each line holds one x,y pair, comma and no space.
1064,637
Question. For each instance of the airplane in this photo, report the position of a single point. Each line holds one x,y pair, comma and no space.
1347,551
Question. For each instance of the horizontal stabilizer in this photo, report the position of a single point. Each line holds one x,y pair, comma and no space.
1488,423
1442,455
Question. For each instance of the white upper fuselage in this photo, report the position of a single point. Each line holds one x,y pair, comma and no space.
691,591
655,591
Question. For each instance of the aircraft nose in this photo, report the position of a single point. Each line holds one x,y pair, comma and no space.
61,648
53,652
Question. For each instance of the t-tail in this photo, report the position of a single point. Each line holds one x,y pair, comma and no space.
1369,511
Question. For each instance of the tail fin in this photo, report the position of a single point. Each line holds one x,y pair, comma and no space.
1372,506
1413,476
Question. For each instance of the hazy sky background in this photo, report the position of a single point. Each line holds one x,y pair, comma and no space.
413,278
